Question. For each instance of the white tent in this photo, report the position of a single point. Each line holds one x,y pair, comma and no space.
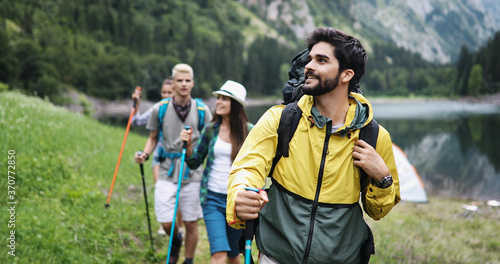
410,183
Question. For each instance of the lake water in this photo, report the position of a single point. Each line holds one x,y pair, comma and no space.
455,146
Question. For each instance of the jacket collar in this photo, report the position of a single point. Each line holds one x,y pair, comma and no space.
358,115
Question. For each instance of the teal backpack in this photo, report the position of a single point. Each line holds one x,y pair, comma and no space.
162,153
200,105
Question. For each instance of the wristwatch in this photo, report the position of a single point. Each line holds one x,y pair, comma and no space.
384,183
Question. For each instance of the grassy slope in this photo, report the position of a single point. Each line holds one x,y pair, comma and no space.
64,168
437,232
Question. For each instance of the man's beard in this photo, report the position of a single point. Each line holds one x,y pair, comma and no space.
321,88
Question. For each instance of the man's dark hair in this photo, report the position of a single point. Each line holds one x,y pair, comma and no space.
348,51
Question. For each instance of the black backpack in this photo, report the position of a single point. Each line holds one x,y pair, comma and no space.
289,121
290,117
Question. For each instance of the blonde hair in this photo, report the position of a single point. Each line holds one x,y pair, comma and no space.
183,68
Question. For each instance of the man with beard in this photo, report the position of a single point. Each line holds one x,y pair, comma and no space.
311,213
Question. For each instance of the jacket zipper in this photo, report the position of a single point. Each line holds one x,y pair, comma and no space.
316,197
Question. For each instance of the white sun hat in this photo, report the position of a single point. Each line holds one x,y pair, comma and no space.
233,90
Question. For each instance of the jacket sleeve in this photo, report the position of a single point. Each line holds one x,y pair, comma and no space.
378,202
141,119
253,162
201,149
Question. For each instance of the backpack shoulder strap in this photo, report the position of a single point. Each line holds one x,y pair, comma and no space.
289,121
200,106
161,114
369,134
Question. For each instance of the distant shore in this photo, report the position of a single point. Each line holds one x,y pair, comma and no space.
493,99
104,108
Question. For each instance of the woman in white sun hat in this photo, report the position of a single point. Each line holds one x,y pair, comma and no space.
219,142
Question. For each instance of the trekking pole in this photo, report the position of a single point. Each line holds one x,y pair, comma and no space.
146,200
179,182
249,232
132,112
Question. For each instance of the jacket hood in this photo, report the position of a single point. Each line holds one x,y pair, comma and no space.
359,114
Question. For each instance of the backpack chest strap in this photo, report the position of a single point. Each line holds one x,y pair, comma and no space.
174,156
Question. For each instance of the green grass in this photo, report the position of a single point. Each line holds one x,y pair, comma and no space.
64,168
437,232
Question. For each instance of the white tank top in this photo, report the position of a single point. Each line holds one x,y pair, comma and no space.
221,166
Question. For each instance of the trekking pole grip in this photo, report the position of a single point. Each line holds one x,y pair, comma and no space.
185,143
139,153
135,99
249,225
249,232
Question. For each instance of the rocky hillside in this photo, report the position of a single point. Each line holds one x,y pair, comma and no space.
436,29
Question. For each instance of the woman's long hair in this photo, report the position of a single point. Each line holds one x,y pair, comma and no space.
238,120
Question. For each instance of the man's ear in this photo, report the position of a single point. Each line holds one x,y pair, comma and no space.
346,75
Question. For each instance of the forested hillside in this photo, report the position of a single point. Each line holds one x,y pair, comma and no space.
106,48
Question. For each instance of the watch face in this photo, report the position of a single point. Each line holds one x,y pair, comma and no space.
386,182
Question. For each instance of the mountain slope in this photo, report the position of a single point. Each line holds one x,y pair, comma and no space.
435,29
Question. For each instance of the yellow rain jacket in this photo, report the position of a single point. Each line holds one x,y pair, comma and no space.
313,214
